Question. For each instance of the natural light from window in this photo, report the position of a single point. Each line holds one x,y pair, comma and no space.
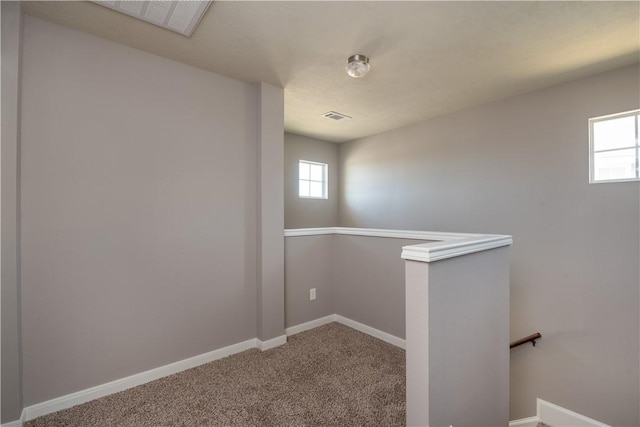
614,150
312,180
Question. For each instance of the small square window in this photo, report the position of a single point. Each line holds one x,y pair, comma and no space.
312,180
613,148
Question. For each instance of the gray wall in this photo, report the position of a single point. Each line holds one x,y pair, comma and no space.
309,263
358,277
11,339
139,217
520,167
305,213
270,214
469,374
457,375
369,281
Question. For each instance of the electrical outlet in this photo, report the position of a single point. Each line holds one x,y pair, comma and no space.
312,294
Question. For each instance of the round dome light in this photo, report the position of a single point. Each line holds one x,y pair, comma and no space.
357,66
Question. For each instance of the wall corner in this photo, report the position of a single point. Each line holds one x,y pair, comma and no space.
270,228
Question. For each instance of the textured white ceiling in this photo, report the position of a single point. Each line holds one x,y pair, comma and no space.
427,58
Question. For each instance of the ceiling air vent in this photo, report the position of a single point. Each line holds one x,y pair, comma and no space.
338,117
179,16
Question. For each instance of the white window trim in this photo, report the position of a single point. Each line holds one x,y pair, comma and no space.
591,148
325,180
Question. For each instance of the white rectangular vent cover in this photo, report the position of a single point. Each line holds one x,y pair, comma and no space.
338,117
179,16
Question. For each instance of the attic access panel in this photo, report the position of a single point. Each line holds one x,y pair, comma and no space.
181,17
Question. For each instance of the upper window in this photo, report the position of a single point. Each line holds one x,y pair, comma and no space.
613,148
312,180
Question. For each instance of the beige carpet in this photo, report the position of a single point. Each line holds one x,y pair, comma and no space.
329,376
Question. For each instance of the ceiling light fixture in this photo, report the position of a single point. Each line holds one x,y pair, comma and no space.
357,66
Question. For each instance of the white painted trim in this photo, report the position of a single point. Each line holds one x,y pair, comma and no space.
441,245
116,386
554,415
429,252
135,380
391,339
401,234
376,232
310,325
296,232
16,423
376,333
525,422
272,343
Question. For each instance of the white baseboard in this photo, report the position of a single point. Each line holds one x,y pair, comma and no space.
391,339
525,422
16,423
116,386
555,415
269,344
310,325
